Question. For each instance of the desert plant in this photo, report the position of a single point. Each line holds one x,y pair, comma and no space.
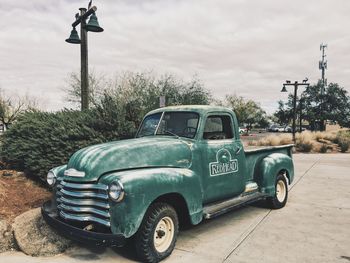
305,146
304,141
271,140
330,136
319,136
323,148
344,146
343,140
285,139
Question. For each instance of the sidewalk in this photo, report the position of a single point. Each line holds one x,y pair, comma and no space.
313,227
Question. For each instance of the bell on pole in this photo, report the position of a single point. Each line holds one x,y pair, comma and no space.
284,89
74,37
93,25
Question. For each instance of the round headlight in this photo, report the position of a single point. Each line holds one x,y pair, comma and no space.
51,178
116,191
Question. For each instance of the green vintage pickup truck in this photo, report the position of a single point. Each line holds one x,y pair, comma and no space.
185,165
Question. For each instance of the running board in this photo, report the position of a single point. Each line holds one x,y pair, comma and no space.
221,207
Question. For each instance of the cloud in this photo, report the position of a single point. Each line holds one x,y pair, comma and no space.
244,47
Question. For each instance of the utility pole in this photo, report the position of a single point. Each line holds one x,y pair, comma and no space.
296,84
322,64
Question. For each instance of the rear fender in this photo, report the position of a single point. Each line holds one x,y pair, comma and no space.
143,186
269,167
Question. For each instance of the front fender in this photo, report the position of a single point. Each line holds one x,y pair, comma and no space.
268,169
143,186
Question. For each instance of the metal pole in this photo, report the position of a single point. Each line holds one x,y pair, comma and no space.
84,62
294,108
323,70
300,114
323,67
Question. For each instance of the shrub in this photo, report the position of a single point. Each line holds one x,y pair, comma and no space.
305,147
304,141
323,148
344,146
285,139
343,140
330,136
41,140
319,136
271,140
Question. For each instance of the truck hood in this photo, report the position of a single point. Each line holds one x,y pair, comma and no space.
153,151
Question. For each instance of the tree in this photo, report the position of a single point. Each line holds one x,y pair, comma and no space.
139,93
247,111
97,86
12,107
333,105
284,114
336,105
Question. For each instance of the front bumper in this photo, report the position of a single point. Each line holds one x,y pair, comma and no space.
78,234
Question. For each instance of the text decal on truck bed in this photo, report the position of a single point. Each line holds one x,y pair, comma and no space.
224,163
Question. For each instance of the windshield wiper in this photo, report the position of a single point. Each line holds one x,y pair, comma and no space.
171,133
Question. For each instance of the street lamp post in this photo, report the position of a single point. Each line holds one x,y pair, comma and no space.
300,113
296,84
92,26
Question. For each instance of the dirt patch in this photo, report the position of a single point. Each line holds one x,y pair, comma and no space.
19,194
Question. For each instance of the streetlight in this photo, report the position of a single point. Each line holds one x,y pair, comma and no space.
284,89
92,26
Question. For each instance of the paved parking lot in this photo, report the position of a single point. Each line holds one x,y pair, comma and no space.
313,227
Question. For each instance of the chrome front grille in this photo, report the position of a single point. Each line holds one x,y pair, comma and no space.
83,202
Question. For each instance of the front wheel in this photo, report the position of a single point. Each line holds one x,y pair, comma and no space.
279,200
156,237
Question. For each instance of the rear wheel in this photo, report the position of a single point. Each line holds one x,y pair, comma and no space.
156,237
279,200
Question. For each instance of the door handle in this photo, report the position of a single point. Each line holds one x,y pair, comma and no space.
238,150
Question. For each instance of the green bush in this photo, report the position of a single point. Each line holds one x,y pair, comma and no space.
304,146
344,146
323,148
343,140
39,141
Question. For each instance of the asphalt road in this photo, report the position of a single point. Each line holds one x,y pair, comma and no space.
313,227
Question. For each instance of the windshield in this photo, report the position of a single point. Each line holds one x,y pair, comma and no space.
182,124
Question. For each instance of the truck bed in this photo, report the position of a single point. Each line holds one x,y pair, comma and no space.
255,154
255,149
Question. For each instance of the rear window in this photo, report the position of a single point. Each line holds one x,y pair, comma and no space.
218,128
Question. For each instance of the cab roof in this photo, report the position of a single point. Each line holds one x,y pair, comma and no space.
201,109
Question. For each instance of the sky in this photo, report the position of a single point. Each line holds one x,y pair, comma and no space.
247,48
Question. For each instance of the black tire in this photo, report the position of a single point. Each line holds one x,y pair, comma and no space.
158,214
279,201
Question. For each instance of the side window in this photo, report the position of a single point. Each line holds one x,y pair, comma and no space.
218,128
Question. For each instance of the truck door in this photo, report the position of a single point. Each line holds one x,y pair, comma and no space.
222,156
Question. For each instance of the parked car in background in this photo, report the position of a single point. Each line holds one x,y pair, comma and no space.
243,130
288,129
273,128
